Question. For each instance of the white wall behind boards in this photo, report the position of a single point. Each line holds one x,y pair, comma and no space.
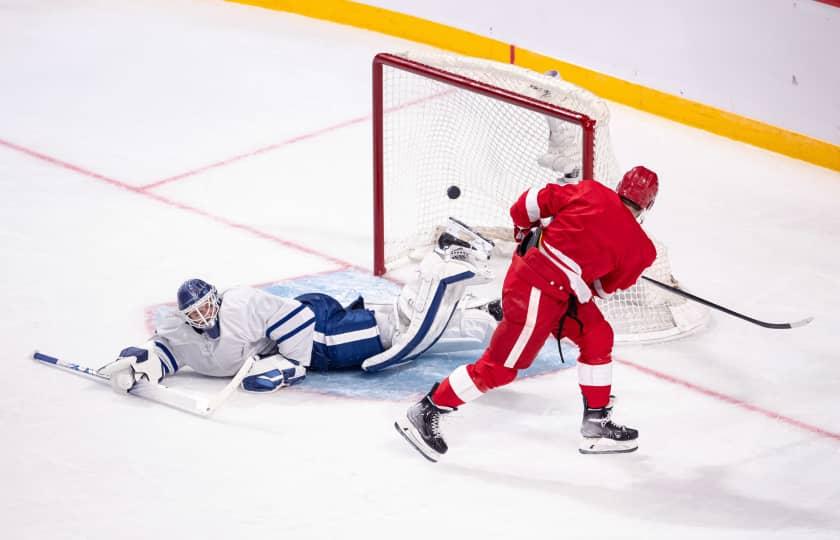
777,61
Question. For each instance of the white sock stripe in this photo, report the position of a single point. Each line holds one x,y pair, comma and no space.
531,204
463,385
527,330
600,375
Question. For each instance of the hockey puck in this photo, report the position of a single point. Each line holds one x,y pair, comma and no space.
453,192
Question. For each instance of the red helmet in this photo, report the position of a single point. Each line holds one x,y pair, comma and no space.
639,186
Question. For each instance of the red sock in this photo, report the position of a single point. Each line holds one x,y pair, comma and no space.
444,396
596,396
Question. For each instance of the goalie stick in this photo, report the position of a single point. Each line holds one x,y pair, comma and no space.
159,393
763,324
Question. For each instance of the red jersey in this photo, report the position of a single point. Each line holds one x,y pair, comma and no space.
593,242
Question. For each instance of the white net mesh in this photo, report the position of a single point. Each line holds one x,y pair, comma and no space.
436,136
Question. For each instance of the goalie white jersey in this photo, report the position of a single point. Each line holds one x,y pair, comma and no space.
250,322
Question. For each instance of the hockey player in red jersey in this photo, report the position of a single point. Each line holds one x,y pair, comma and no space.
576,241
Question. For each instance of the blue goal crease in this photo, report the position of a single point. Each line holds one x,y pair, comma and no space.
404,381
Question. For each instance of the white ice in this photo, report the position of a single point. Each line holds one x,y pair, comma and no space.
740,426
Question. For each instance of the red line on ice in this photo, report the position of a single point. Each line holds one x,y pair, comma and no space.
287,142
253,153
169,202
732,400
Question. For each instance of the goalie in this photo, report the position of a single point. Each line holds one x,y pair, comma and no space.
214,334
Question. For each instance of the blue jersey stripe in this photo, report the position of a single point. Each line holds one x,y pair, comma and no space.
284,320
283,338
169,356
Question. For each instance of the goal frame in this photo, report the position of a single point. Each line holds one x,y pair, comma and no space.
380,61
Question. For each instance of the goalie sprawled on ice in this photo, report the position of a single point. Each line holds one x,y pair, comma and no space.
215,334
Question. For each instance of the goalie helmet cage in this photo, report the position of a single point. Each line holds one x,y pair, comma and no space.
493,130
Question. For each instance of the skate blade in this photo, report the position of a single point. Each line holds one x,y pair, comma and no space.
418,445
602,445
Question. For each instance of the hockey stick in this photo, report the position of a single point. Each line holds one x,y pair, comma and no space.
216,401
159,393
763,324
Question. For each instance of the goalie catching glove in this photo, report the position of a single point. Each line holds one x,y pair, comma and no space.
136,364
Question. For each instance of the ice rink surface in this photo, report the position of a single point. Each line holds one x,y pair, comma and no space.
143,143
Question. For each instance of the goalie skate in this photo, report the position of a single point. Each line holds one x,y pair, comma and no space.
602,436
458,233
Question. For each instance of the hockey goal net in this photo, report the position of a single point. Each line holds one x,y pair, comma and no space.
464,137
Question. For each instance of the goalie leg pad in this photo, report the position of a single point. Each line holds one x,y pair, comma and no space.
468,330
431,306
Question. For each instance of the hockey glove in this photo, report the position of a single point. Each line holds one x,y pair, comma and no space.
272,373
529,240
134,364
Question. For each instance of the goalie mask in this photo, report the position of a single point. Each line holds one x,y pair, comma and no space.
639,187
199,303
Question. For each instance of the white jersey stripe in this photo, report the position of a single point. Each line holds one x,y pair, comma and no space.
600,375
346,337
527,330
531,204
600,289
463,385
569,267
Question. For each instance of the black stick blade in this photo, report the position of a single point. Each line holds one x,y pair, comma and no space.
763,324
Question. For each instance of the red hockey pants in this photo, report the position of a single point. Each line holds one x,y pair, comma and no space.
531,315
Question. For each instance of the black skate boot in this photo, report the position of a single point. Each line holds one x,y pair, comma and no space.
602,436
494,308
421,427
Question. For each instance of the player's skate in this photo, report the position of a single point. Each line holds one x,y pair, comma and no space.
602,436
421,427
494,308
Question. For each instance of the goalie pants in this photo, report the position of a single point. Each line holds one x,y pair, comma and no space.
343,337
533,310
